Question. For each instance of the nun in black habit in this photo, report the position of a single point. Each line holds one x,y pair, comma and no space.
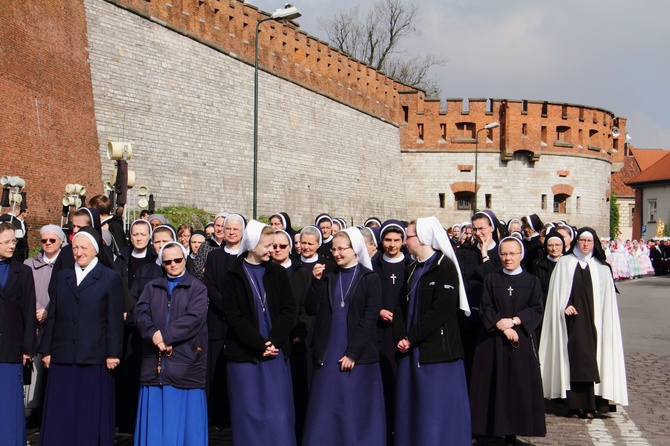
506,388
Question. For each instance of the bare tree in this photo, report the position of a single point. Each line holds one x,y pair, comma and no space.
375,38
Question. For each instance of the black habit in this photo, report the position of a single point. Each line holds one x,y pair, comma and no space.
506,391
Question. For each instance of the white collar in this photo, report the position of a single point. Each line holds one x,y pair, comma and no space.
551,259
139,255
287,264
388,259
82,273
231,251
312,259
516,272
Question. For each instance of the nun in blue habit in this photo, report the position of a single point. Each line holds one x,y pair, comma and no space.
260,312
346,403
171,317
432,406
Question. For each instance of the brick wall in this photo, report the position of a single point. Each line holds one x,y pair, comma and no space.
47,127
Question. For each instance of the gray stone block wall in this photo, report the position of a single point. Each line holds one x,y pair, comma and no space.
188,110
516,187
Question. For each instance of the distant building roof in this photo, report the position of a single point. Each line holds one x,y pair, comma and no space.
646,157
619,179
659,171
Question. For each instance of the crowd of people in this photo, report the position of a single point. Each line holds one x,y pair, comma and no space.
391,332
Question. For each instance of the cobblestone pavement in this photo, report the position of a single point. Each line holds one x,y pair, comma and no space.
645,318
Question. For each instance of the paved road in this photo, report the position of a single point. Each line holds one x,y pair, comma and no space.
644,306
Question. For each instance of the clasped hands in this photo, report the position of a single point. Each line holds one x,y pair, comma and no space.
507,327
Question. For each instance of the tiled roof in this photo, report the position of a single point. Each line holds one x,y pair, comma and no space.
619,179
646,157
659,171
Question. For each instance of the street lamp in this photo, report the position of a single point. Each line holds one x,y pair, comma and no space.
486,127
289,12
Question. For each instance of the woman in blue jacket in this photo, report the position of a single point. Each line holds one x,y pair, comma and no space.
171,316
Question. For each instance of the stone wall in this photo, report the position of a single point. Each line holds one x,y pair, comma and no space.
188,110
515,187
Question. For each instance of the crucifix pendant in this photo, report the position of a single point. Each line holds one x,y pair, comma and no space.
393,277
510,289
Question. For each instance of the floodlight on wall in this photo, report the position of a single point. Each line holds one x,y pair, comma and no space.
288,12
117,150
142,201
615,132
12,181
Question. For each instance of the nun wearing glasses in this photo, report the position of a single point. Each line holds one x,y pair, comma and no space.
506,388
346,403
432,405
260,312
171,319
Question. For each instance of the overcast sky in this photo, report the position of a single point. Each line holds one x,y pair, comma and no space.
613,54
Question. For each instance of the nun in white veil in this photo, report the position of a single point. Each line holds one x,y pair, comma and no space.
432,405
346,403
260,312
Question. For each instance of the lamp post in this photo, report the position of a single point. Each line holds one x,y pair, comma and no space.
486,127
289,12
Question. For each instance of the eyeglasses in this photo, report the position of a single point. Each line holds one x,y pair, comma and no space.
9,242
585,241
509,254
48,240
340,250
280,246
168,262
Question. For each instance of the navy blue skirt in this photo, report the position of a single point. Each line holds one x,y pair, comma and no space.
261,403
346,408
170,416
12,415
432,405
78,406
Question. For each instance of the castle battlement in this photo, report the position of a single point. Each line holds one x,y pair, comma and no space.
284,50
535,127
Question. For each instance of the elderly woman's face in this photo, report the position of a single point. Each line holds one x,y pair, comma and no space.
139,236
83,251
309,245
510,255
51,243
233,231
173,260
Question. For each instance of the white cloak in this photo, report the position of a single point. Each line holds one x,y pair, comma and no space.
553,352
